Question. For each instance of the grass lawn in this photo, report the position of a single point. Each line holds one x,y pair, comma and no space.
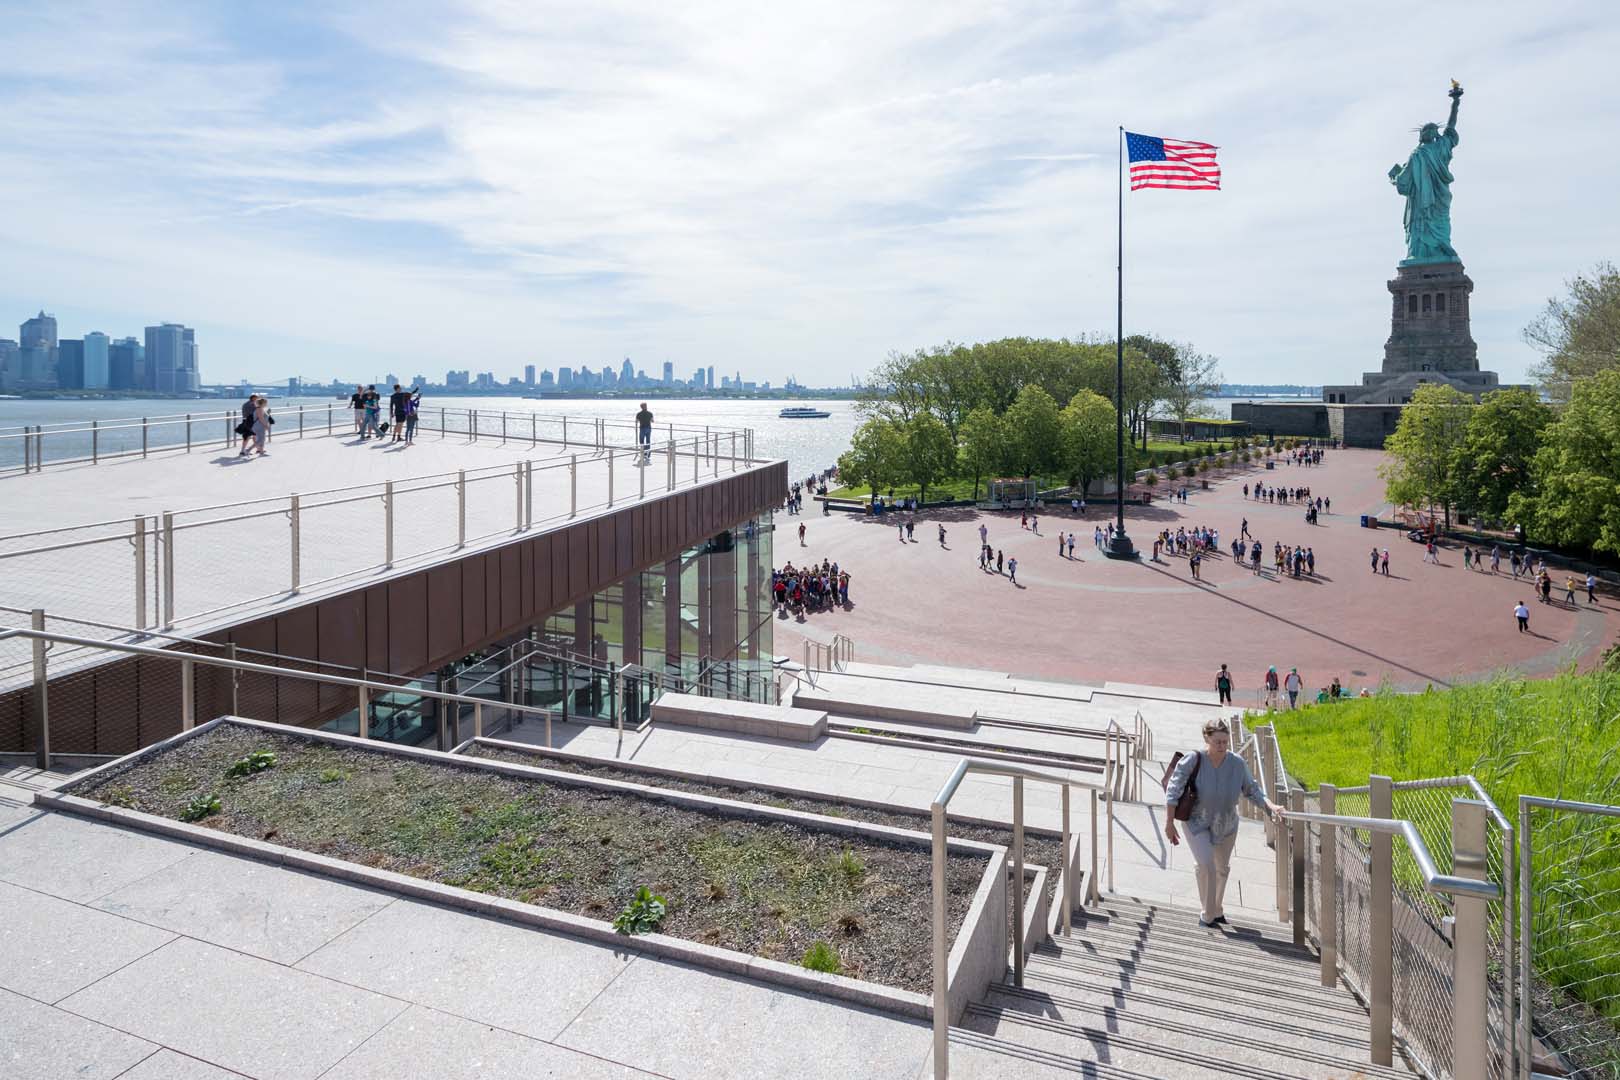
771,889
946,489
1558,738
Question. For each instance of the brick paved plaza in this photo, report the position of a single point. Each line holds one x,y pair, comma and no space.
1092,619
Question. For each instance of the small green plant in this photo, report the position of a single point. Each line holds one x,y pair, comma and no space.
822,957
1150,479
199,807
332,776
256,762
849,864
641,915
120,796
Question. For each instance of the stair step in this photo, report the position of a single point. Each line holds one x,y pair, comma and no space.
1190,962
1155,1051
1170,924
1227,941
1080,993
1343,1010
1142,1016
985,1057
1172,978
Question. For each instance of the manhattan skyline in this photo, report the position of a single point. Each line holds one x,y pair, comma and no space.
325,188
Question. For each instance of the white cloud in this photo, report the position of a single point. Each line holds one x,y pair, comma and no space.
488,184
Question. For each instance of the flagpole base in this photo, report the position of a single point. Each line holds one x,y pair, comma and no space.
1120,547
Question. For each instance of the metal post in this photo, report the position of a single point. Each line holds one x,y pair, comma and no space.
1469,1050
461,508
565,431
235,679
610,476
365,712
478,706
670,485
168,570
528,494
28,448
517,488
329,419
503,443
942,1004
301,421
188,433
695,453
1093,889
573,484
143,436
139,542
188,695
95,441
1068,869
293,540
42,693
1297,841
1381,985
641,473
1327,889
534,429
1527,937
228,431
733,451
388,524
1018,880
714,454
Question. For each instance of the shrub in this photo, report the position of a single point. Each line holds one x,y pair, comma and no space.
1245,457
332,776
199,807
849,864
1150,479
822,957
258,761
1203,466
641,915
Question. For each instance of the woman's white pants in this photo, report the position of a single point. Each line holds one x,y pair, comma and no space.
1214,864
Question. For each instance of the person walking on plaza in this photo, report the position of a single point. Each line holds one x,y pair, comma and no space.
801,534
357,402
1193,561
1591,588
1000,566
1271,687
1513,562
1071,544
1521,611
1468,558
261,427
1430,554
1012,570
1293,684
412,408
942,536
398,403
1061,541
1569,591
1375,560
644,423
1496,558
373,408
1216,778
1223,685
1383,563
984,533
245,428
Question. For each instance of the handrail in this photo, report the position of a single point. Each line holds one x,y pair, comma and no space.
1433,880
937,813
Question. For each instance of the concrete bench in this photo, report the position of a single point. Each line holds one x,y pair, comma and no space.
746,717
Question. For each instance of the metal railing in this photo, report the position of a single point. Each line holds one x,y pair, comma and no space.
941,944
1569,939
159,569
820,656
30,448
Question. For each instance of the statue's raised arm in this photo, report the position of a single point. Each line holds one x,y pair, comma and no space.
1455,94
1425,182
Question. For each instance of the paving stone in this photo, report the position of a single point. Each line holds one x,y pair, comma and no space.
426,1043
44,1043
168,1065
692,1024
49,947
246,1014
480,968
79,859
253,907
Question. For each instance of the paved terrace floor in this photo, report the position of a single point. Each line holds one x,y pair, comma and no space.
1095,619
227,557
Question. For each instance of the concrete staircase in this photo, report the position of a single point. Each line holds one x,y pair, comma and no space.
1142,992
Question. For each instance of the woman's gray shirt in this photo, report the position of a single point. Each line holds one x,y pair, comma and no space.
1215,809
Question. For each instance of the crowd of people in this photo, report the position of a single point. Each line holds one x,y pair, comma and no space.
403,407
810,588
1290,495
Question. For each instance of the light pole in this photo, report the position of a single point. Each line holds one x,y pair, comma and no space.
1120,547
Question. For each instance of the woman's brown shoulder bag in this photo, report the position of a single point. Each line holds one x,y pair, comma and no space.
1189,795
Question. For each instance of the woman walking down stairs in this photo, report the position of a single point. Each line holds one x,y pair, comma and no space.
1142,992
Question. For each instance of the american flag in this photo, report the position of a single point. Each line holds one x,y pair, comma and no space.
1172,163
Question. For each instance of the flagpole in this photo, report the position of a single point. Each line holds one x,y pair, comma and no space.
1120,547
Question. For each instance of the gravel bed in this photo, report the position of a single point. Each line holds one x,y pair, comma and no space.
767,889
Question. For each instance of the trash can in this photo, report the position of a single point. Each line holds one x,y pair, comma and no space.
1364,521
1271,464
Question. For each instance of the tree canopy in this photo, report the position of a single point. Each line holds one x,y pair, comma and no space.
1575,501
1422,450
1495,457
1578,335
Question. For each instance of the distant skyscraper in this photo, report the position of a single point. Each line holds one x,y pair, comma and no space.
8,364
669,373
171,359
456,380
40,330
96,373
725,382
70,364
547,381
126,364
528,374
709,382
565,377
608,378
36,343
627,373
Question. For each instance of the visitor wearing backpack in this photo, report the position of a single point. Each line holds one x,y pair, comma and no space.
1202,791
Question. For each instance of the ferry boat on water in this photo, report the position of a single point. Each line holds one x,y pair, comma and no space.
803,412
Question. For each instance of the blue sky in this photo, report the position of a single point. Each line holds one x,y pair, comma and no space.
337,189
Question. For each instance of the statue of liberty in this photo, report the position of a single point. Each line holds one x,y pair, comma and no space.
1425,181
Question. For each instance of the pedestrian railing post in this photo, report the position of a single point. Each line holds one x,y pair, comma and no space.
942,1002
188,433
28,448
696,458
645,461
670,452
388,524
188,695
1469,984
1018,880
573,484
364,714
565,432
1298,830
503,436
143,436
42,693
167,541
301,421
236,679
528,494
1327,889
138,542
1068,868
1093,886
294,523
610,476
1381,895
517,490
733,451
329,419
478,706
461,508
95,441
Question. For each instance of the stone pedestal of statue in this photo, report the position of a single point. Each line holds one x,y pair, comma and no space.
1429,321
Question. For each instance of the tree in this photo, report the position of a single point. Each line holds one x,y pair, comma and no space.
876,455
1032,431
930,452
1197,377
982,445
1578,335
1087,438
1498,451
1576,499
1424,447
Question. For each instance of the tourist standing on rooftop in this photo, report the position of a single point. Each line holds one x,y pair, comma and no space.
261,427
1223,685
1293,684
1217,779
413,405
398,403
644,423
245,428
357,402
